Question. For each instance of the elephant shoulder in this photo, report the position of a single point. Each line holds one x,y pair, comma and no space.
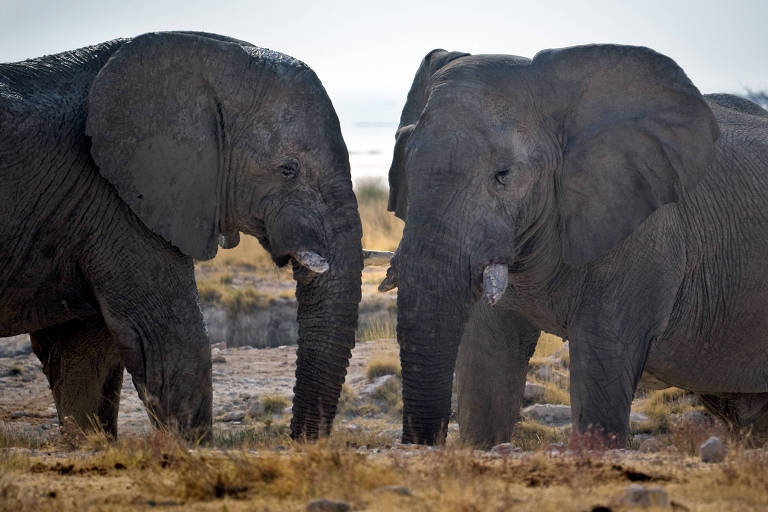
737,103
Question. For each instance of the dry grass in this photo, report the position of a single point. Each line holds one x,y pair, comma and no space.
378,329
381,366
158,472
381,229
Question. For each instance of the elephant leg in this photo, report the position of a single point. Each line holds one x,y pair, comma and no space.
740,411
491,367
85,371
604,374
151,309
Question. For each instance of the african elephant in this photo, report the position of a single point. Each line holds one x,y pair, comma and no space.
591,192
123,161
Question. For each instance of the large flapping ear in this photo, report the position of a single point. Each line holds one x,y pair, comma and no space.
414,105
156,124
636,134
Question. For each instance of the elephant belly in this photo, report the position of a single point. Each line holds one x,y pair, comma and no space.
722,351
34,299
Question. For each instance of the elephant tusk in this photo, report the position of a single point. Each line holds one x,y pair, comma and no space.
312,261
375,258
495,281
389,282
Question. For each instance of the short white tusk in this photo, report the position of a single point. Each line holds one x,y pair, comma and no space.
312,261
495,281
375,258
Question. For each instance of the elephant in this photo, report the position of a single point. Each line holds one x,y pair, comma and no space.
123,162
591,192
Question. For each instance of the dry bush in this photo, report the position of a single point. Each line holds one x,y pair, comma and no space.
548,345
274,404
530,435
381,229
381,366
388,396
661,404
378,328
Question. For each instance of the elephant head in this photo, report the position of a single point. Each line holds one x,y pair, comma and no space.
204,137
509,170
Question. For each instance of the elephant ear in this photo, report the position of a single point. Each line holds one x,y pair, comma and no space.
637,134
156,124
414,106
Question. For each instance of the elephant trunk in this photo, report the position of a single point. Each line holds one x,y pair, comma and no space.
327,316
432,311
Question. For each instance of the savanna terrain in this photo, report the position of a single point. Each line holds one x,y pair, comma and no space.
253,465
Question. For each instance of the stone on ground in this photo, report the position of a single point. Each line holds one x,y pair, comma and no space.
638,495
713,450
324,505
550,414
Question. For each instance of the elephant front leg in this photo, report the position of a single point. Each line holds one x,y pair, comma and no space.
152,310
85,372
490,371
604,374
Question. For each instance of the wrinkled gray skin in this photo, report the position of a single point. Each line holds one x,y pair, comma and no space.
631,212
122,162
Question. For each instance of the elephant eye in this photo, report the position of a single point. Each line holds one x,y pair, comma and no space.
290,169
501,176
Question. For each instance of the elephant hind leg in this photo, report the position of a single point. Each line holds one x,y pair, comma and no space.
84,370
741,411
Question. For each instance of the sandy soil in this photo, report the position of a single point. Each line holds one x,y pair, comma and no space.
241,377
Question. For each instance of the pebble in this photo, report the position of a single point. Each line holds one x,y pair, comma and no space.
396,489
639,495
324,505
534,392
713,450
549,413
505,449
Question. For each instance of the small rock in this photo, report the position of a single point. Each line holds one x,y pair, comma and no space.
713,450
639,495
558,447
376,384
218,359
505,449
396,489
353,428
232,416
255,408
324,505
534,392
15,346
549,413
650,445
638,417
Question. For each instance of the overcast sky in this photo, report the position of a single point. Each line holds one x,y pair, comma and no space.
361,48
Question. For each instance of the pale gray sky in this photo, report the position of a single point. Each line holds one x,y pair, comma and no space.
361,48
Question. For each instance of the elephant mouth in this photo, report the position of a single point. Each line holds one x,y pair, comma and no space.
494,283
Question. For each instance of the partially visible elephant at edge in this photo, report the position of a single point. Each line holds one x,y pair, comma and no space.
593,193
123,161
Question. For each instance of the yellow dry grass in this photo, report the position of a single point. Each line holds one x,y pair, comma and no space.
156,472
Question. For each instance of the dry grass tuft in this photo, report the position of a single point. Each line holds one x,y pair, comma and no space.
381,229
382,366
274,404
378,328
